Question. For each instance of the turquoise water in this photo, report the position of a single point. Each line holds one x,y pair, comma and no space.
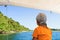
26,36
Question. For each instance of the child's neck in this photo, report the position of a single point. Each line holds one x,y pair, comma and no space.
43,26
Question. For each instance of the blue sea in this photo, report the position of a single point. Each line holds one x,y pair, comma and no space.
26,36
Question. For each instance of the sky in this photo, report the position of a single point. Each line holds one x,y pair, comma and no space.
27,16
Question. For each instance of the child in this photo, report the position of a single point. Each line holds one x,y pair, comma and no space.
42,32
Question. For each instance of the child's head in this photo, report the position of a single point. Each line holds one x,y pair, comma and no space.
41,19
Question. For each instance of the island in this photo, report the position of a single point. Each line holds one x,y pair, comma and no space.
55,29
8,25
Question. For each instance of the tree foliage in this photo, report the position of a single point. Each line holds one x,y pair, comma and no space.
8,24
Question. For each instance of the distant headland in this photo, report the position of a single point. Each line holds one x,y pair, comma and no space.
8,25
55,29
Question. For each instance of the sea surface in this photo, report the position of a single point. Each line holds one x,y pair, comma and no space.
26,36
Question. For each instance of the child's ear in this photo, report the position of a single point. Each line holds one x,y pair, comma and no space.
38,23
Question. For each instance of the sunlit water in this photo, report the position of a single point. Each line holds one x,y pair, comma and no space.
28,36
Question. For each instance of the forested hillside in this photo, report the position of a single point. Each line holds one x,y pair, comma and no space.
8,25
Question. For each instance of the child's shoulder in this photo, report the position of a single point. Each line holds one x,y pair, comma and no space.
38,28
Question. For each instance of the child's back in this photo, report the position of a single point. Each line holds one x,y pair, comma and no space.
42,33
